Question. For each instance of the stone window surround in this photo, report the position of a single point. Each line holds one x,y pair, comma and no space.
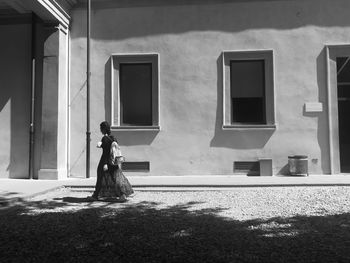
116,60
267,56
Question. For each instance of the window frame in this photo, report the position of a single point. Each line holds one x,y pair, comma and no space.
134,58
267,57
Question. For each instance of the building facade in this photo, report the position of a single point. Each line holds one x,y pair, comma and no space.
190,87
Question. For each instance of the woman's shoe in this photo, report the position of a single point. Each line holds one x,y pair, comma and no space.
122,198
92,198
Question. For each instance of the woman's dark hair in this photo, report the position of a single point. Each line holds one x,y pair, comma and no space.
105,127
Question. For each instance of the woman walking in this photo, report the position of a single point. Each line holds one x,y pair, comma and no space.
111,182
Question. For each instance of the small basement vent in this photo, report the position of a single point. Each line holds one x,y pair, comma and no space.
248,168
136,166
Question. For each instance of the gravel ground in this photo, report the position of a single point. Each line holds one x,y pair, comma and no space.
266,224
234,203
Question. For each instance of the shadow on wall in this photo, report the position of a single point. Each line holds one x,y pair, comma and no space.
284,170
210,15
235,139
126,138
15,77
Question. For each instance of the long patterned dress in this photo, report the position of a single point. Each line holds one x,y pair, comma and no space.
115,184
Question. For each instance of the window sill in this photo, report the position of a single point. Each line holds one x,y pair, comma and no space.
135,128
249,127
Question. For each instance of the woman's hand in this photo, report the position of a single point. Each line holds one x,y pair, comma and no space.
105,167
99,144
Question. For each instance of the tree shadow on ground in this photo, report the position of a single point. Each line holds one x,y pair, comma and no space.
6,197
147,232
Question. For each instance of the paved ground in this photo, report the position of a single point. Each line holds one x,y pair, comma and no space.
181,224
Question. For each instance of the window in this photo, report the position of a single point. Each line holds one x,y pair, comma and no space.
135,92
248,89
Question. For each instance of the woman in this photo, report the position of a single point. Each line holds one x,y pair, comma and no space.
111,181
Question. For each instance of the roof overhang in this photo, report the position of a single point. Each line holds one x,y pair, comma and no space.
47,10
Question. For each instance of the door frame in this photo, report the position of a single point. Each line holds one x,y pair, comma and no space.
332,52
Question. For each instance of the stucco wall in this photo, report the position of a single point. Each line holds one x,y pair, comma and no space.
190,40
15,81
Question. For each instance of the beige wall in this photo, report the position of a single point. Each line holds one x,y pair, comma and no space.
190,40
15,90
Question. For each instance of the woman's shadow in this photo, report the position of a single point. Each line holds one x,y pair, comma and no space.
76,200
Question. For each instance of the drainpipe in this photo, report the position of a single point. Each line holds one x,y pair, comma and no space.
32,103
88,73
31,131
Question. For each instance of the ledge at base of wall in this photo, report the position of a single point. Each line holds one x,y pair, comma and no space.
52,174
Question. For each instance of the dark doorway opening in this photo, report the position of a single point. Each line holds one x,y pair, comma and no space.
343,88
